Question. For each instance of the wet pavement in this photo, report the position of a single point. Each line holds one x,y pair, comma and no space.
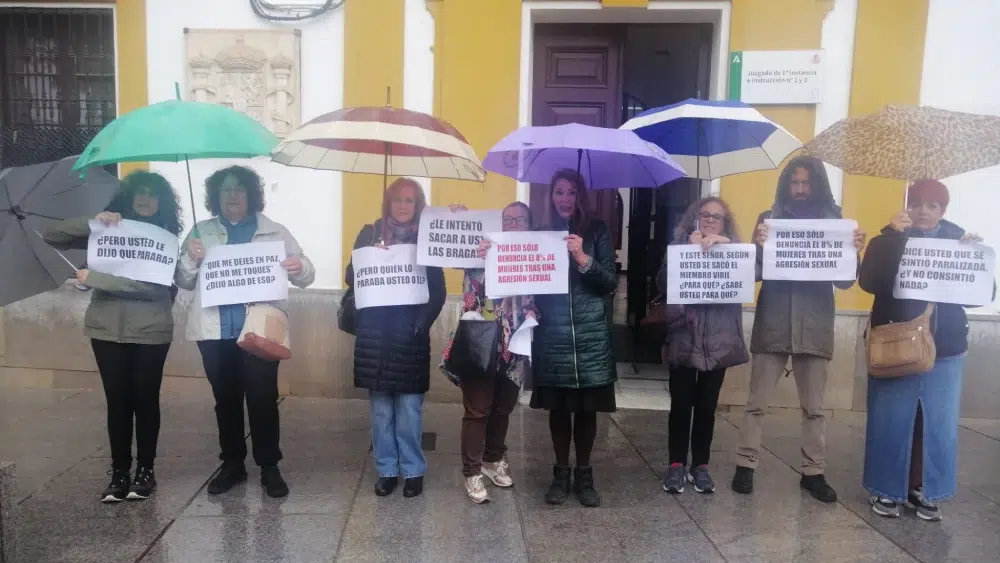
58,441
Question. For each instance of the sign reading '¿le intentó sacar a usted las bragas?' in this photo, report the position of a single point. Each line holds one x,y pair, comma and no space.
946,271
450,239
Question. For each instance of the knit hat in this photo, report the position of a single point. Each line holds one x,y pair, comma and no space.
926,191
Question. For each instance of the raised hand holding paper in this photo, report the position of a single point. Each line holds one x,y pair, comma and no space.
724,274
134,250
527,263
810,250
946,271
243,273
385,276
449,239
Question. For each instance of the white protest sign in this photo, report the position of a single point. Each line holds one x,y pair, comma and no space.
724,274
810,250
527,263
946,271
134,250
243,273
451,239
388,276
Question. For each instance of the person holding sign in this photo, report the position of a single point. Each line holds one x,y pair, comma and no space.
392,351
702,342
489,401
235,198
793,319
911,446
573,368
131,326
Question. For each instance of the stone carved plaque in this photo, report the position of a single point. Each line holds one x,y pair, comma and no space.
253,71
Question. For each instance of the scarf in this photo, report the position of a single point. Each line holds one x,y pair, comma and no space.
402,233
803,209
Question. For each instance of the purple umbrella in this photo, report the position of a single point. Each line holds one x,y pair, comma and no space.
606,158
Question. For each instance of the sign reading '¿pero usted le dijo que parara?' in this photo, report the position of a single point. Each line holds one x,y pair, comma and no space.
724,274
134,250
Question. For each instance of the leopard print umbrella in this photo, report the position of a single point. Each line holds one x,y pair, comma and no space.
910,143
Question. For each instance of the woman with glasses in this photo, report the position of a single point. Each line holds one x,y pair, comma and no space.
702,342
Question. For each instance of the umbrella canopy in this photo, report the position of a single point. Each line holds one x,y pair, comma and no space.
381,140
910,143
177,130
712,139
606,158
31,199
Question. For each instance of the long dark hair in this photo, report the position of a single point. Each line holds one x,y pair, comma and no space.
246,177
581,218
168,214
690,218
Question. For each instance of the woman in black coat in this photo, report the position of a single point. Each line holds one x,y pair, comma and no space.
392,351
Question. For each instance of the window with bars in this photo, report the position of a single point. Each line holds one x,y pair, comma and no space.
57,81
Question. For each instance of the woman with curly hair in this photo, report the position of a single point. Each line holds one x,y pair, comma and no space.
235,198
703,341
131,327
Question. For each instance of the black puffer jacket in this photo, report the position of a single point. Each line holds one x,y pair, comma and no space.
572,344
878,277
392,351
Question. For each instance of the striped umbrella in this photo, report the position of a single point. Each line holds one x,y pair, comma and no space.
381,140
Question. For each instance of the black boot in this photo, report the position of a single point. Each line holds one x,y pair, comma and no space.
385,486
818,488
413,486
583,486
229,476
559,490
274,485
743,480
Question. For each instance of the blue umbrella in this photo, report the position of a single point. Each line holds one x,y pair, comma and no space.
715,138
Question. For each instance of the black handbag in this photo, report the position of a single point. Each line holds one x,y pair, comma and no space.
474,350
347,315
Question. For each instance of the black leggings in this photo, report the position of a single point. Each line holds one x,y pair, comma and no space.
131,374
694,396
582,434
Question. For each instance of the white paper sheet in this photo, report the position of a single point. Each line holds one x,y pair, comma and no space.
520,341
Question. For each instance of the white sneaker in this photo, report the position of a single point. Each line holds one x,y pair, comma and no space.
498,473
476,489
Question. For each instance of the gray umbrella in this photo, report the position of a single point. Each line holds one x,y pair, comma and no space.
33,198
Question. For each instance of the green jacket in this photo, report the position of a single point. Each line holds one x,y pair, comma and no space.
121,310
572,344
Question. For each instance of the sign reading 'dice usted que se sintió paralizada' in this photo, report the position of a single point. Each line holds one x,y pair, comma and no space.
776,77
450,239
946,271
527,263
134,250
243,273
385,276
724,274
810,250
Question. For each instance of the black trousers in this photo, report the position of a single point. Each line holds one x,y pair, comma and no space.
131,374
693,394
237,376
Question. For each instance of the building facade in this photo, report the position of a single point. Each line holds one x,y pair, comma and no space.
489,66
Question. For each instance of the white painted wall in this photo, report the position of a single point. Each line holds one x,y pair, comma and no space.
308,202
838,43
418,64
961,72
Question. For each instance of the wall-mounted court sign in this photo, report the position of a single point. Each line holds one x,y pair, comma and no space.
776,77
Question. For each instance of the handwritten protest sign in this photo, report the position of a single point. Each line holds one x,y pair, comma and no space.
388,276
451,239
243,273
724,274
134,250
810,250
527,263
946,271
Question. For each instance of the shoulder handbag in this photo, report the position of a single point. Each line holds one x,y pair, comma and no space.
347,314
265,333
901,349
473,354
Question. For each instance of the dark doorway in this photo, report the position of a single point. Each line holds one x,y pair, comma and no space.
603,75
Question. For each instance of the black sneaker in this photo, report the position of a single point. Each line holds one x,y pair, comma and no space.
270,479
818,488
701,480
559,489
743,480
413,487
583,486
925,510
673,483
143,484
884,507
118,488
228,477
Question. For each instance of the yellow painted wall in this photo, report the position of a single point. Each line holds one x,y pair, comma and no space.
373,62
624,3
888,64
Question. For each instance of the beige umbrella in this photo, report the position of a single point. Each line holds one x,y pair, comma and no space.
910,143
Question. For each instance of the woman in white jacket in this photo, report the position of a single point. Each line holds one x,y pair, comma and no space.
235,197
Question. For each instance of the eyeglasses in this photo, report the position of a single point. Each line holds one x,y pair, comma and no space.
519,221
711,216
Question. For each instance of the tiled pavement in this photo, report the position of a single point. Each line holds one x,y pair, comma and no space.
57,439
